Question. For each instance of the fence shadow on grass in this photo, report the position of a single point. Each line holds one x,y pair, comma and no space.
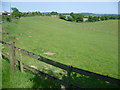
89,82
76,79
44,82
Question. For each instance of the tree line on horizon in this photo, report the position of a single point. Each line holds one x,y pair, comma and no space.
72,17
79,17
16,14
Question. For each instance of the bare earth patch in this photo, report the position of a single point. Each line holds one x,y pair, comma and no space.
49,53
29,36
17,38
33,66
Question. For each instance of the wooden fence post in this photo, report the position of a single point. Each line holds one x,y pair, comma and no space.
12,56
19,62
69,76
20,66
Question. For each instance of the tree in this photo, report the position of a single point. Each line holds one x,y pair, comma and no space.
24,14
62,17
39,13
102,18
16,12
71,14
106,17
90,19
6,18
33,13
95,18
77,17
70,18
118,16
54,13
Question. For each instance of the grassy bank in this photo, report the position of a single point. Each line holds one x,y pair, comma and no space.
27,79
24,79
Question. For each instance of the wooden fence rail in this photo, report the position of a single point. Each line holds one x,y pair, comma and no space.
40,73
68,68
50,77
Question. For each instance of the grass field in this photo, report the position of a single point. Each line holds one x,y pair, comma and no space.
89,46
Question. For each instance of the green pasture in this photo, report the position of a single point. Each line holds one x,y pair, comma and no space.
89,46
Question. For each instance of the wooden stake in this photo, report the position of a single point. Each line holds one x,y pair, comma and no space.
21,66
12,55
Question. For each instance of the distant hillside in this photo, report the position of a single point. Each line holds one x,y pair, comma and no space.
88,14
93,14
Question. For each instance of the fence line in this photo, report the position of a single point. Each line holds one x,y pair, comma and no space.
68,68
40,73
49,76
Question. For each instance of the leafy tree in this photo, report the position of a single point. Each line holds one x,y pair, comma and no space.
95,18
106,17
70,18
24,14
6,18
90,19
77,17
39,13
118,16
20,14
54,13
62,17
102,18
74,16
71,14
113,16
16,12
33,13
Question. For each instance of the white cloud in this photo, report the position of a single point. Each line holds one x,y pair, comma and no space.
60,0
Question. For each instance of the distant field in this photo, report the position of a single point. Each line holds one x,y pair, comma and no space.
89,46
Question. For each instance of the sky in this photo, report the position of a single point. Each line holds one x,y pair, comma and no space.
64,7
60,0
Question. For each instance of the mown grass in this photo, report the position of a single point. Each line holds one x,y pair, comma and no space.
89,46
